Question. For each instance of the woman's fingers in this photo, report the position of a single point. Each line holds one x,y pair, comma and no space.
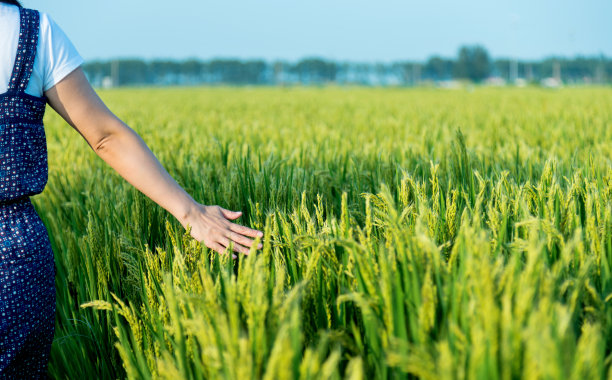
241,239
236,227
237,247
220,249
246,231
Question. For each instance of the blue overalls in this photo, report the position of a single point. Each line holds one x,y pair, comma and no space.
27,271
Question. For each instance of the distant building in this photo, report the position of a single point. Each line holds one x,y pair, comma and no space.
495,81
107,82
551,82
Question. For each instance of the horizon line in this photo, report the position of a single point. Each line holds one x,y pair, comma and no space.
601,56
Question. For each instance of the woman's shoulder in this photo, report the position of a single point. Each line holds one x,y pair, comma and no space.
50,32
7,10
57,55
46,21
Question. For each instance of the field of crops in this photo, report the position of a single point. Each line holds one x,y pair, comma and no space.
409,233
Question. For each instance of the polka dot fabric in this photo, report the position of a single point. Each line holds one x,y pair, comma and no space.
27,271
27,293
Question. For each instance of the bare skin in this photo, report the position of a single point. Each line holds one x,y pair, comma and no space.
123,149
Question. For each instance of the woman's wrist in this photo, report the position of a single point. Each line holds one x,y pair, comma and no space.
186,211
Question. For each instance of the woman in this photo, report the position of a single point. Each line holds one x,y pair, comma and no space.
39,65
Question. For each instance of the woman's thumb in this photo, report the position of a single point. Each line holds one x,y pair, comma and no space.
230,214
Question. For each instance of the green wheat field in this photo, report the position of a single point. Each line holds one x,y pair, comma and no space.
409,233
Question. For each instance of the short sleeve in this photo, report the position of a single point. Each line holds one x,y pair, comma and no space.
59,56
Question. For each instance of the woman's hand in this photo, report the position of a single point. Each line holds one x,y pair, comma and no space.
211,225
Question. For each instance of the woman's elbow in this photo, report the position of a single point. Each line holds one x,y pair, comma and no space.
102,144
108,138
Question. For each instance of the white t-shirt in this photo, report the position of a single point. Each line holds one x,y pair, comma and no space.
56,57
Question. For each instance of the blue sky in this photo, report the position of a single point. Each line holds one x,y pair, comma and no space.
356,30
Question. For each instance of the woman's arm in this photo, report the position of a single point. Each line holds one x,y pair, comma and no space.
123,149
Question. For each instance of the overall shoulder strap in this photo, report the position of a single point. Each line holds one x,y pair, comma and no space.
26,49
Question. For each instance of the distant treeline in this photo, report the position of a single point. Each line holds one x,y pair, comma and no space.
472,63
